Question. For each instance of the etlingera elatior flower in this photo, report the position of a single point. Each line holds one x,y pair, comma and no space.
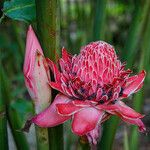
92,86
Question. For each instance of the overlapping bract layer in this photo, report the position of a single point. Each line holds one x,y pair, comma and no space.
36,72
92,85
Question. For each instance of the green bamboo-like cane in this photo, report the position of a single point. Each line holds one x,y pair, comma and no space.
109,134
126,142
3,126
3,120
109,130
19,137
42,138
48,27
99,19
139,97
68,22
135,31
85,146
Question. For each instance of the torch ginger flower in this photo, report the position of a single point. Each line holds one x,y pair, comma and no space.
92,86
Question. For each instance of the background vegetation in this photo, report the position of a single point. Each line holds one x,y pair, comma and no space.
72,24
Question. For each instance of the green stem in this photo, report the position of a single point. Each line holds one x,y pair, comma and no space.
138,99
56,138
48,26
135,31
42,138
99,19
3,121
108,135
68,22
84,144
126,143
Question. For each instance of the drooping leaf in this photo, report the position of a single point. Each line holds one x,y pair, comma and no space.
22,10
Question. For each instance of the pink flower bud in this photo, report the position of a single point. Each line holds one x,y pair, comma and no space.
36,72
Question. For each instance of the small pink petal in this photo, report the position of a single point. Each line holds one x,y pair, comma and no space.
55,70
56,86
82,103
94,135
133,86
68,109
49,117
136,121
124,110
105,117
140,86
120,108
65,56
85,120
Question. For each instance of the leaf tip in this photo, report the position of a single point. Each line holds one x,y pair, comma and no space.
27,125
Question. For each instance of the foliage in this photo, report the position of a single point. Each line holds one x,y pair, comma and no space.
23,10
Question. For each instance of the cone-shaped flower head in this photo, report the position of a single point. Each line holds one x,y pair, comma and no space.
36,72
92,85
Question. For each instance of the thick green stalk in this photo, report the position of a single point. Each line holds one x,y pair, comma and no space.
48,27
135,31
99,20
126,143
108,135
3,121
19,137
42,138
139,97
84,146
56,139
68,22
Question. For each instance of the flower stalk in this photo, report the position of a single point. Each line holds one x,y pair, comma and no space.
135,32
126,142
109,131
48,25
99,20
3,118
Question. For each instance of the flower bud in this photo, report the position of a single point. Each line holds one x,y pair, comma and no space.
36,72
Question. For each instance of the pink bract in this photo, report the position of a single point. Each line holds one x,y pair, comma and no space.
92,86
36,72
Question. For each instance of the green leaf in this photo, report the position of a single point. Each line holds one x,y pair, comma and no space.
20,110
22,10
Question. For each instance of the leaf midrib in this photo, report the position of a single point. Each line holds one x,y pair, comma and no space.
18,7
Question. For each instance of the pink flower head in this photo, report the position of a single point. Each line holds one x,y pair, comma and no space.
36,72
91,85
